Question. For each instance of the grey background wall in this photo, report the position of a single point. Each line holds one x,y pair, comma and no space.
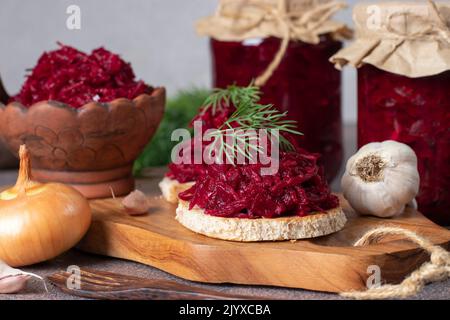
156,36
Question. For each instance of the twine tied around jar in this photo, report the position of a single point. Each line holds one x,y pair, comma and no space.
295,22
288,19
437,269
437,30
411,39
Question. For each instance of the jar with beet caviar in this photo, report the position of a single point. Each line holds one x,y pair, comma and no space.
287,54
404,90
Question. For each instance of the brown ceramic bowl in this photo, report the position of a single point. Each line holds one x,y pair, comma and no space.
91,148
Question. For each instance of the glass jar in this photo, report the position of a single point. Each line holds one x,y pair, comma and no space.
415,111
305,84
402,52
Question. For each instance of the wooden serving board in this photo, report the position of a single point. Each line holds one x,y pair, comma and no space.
328,263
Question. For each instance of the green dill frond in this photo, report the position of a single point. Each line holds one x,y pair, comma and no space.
249,115
233,94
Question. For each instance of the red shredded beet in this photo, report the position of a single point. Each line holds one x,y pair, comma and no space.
75,78
415,111
190,172
298,188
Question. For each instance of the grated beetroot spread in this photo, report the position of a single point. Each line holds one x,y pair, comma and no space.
75,78
298,188
190,172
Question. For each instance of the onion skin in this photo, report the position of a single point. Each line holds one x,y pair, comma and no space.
39,221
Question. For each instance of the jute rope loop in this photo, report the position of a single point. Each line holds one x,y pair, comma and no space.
290,24
265,76
437,269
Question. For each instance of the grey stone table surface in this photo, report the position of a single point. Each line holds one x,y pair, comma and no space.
36,290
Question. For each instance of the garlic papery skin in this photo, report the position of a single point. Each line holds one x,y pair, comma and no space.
381,179
14,280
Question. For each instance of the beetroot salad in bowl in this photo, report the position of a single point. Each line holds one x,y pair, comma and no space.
75,78
84,118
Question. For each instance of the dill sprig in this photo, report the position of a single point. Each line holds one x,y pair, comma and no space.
233,94
248,117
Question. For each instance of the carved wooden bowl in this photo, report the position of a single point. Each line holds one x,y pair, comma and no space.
91,148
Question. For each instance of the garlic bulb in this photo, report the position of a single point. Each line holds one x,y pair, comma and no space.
381,179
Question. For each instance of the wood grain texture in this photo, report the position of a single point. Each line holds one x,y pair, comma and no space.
113,286
327,263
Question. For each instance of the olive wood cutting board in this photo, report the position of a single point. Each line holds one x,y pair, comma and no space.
328,263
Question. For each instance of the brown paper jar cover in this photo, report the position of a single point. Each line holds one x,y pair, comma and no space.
406,38
305,20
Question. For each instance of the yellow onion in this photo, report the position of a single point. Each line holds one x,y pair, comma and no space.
39,221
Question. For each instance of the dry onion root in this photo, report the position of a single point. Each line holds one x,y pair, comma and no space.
39,221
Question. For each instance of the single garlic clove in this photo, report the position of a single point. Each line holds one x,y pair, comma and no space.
14,280
136,203
13,284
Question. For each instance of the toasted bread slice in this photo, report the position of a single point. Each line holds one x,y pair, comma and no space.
170,189
263,229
